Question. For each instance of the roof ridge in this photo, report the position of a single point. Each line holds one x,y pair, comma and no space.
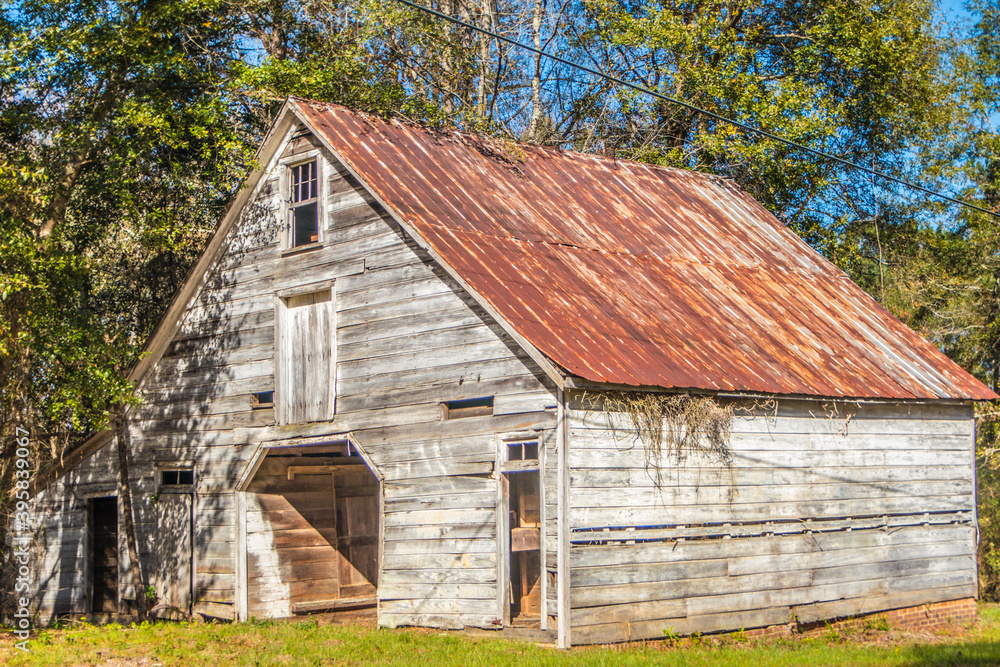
554,150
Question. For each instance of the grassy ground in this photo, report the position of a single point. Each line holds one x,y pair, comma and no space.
316,643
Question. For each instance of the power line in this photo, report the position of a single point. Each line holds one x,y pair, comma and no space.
715,116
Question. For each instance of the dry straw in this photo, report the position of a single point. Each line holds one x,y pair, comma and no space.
671,426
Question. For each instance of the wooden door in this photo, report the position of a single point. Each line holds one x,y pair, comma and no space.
171,578
305,369
104,555
356,491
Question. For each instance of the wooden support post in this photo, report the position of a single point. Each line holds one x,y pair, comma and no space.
543,523
242,600
563,527
975,505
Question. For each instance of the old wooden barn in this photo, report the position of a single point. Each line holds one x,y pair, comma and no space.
403,376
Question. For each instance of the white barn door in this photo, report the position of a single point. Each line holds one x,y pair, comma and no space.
305,358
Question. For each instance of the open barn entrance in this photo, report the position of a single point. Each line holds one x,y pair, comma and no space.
312,529
524,543
520,566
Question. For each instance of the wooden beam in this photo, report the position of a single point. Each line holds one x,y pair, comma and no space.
242,595
323,469
975,505
341,603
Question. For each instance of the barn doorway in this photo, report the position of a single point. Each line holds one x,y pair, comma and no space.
524,546
312,532
103,520
172,574
521,589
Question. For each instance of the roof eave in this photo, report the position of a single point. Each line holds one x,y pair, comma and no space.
574,382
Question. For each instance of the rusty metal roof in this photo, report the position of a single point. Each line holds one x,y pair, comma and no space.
634,274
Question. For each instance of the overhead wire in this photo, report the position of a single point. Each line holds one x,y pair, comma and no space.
673,100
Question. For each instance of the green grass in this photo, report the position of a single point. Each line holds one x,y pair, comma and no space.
312,643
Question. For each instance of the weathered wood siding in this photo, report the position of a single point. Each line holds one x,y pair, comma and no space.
826,511
60,583
61,562
407,338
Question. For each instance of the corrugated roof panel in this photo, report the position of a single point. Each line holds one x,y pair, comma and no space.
635,274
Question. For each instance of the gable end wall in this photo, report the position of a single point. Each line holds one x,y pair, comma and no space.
407,338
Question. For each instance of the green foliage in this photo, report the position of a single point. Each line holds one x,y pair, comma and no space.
853,79
876,623
112,119
944,279
117,154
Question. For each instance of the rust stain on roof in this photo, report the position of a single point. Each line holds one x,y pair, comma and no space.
634,274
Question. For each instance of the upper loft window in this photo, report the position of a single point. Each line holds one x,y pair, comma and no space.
304,203
176,477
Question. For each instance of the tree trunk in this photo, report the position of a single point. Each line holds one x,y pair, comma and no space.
126,498
536,78
484,57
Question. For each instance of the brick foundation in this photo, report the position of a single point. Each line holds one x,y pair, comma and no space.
921,617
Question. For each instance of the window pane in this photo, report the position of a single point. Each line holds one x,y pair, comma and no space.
304,182
305,228
185,476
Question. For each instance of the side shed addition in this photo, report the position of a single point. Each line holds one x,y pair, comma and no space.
462,385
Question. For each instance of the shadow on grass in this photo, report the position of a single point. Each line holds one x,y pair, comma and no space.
972,654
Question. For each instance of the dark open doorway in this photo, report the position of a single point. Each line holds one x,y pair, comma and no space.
104,555
524,546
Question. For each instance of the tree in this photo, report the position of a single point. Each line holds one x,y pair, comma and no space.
116,157
857,80
944,279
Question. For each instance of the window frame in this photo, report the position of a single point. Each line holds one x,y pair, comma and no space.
504,441
287,234
175,466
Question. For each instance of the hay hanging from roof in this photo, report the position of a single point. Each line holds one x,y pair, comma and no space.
673,425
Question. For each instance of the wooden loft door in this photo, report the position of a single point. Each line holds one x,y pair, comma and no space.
104,555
